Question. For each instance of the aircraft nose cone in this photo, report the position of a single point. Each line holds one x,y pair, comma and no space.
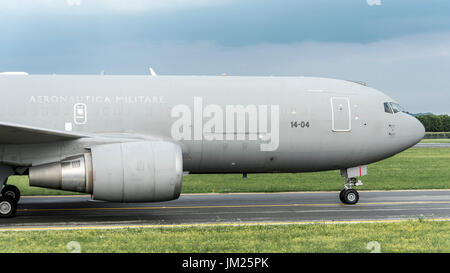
416,131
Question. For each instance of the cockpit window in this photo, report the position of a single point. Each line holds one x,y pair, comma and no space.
396,107
392,108
387,108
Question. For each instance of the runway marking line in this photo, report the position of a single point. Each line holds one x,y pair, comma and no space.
312,192
245,193
220,224
235,206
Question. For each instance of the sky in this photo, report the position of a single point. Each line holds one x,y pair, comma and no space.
401,47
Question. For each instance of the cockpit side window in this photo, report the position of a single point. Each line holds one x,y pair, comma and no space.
387,108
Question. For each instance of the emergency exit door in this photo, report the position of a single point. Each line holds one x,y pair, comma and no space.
340,114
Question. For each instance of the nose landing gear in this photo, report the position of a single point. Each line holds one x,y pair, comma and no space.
349,195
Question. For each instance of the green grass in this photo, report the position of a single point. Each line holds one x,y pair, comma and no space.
416,168
435,140
409,236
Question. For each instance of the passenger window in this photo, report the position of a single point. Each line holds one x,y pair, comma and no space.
387,108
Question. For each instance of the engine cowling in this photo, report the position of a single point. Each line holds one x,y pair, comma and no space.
120,172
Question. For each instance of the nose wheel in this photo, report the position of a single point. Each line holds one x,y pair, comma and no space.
349,196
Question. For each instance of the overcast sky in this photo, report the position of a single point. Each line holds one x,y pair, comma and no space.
401,47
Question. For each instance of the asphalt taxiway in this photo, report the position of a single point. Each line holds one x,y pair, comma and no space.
81,211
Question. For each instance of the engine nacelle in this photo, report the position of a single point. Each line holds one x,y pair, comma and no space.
120,172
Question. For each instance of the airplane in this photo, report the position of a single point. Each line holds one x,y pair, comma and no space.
133,138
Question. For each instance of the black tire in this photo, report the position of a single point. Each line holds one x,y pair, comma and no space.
12,192
351,197
7,207
341,196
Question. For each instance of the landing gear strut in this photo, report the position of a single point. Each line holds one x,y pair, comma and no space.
349,195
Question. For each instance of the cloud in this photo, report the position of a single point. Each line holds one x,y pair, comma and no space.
101,5
143,5
73,2
373,2
230,22
412,69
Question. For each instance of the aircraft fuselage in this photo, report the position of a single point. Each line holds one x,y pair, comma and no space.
223,124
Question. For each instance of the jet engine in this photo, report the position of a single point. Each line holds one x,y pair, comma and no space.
120,172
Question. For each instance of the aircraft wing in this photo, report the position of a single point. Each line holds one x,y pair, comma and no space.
19,134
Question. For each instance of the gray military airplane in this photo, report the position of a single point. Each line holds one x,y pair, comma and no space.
132,138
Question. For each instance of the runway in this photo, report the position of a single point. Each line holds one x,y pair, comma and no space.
75,211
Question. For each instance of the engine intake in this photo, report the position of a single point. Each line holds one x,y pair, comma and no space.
120,172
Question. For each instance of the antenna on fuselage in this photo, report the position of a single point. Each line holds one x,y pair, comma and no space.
152,72
358,82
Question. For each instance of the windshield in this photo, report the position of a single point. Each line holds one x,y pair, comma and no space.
396,107
392,108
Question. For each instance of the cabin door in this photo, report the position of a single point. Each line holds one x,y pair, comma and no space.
340,114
